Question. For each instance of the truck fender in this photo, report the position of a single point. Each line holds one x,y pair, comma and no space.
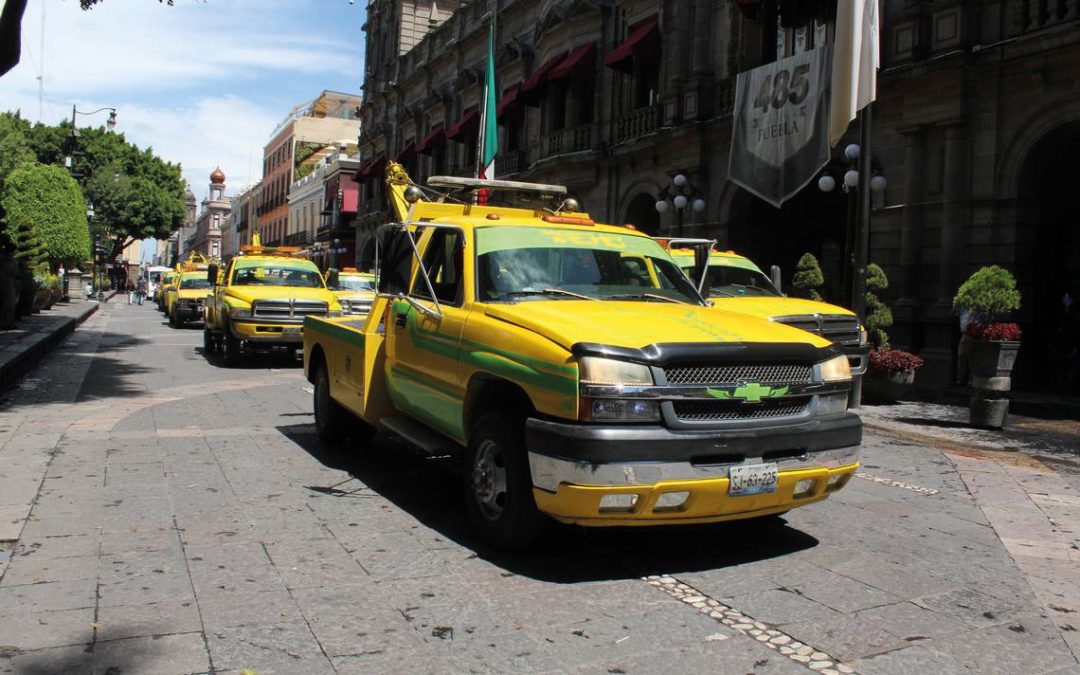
487,392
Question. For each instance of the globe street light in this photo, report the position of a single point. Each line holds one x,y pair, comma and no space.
679,194
110,126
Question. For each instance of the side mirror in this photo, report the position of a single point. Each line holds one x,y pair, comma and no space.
211,274
332,279
774,276
701,266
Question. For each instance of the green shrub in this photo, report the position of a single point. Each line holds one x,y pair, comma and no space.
808,277
878,315
48,201
988,295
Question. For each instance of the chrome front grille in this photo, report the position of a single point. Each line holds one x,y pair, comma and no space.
839,328
713,375
356,306
288,309
722,411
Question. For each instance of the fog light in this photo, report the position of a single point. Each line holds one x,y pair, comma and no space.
636,410
804,487
671,501
836,481
617,503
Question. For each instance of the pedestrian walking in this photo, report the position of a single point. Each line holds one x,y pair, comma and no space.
140,290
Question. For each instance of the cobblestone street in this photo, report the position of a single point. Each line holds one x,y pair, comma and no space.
162,514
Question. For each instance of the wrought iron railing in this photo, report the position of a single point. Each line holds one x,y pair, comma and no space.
509,163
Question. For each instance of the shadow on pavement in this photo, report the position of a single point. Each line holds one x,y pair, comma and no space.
928,422
112,657
431,491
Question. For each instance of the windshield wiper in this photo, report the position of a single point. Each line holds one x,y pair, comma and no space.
644,296
547,291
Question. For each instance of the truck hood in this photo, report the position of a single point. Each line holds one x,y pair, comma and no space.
193,293
769,307
639,324
249,294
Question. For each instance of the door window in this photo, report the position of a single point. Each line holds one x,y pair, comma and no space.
443,260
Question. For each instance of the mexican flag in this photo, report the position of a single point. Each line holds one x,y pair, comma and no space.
489,130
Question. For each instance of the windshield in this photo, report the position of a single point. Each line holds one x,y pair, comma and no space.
355,284
195,282
732,282
516,264
277,275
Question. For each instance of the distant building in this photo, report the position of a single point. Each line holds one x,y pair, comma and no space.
180,237
308,133
241,220
322,209
214,216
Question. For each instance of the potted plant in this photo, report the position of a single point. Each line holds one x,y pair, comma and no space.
890,373
987,297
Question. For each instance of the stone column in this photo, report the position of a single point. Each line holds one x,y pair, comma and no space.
910,220
953,216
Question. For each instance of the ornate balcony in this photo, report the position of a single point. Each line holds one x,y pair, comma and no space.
637,123
570,139
509,163
1029,16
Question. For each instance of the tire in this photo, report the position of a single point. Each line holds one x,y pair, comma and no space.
209,343
230,348
172,319
498,484
330,417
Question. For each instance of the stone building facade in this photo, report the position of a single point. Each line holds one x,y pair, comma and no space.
213,219
241,219
978,107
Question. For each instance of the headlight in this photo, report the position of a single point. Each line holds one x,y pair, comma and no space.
596,370
240,312
836,369
863,338
622,409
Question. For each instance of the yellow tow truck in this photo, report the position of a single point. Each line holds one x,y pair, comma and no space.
574,386
260,299
733,282
167,282
355,290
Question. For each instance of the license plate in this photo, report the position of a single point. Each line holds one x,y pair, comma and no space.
752,479
291,331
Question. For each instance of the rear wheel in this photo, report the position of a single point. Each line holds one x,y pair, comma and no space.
329,415
230,348
498,485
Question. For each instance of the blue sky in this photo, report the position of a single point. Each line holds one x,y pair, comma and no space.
203,82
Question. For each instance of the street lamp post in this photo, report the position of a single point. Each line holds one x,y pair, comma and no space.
679,195
110,126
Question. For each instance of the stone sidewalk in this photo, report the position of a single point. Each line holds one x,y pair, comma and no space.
35,335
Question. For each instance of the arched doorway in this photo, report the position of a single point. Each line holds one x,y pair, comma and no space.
641,213
1048,264
811,222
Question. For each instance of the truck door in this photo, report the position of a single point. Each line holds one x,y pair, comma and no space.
423,354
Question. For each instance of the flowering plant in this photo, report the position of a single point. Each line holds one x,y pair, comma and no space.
889,361
994,332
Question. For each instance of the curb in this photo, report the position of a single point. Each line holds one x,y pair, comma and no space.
39,345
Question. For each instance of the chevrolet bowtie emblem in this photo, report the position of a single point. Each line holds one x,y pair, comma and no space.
749,392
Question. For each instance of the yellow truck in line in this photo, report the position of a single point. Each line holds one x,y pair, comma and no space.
574,385
355,290
260,299
733,282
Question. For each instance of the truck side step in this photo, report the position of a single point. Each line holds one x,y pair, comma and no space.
419,435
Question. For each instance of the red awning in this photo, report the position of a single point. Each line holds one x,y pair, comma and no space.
407,153
531,88
468,124
579,57
644,37
509,103
350,195
435,139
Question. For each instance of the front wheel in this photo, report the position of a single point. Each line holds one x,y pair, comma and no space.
230,348
209,344
498,485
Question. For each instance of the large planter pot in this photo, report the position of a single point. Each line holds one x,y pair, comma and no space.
41,298
988,359
887,387
57,295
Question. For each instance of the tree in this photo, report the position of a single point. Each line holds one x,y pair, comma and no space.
14,145
45,202
11,30
808,277
878,315
135,193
